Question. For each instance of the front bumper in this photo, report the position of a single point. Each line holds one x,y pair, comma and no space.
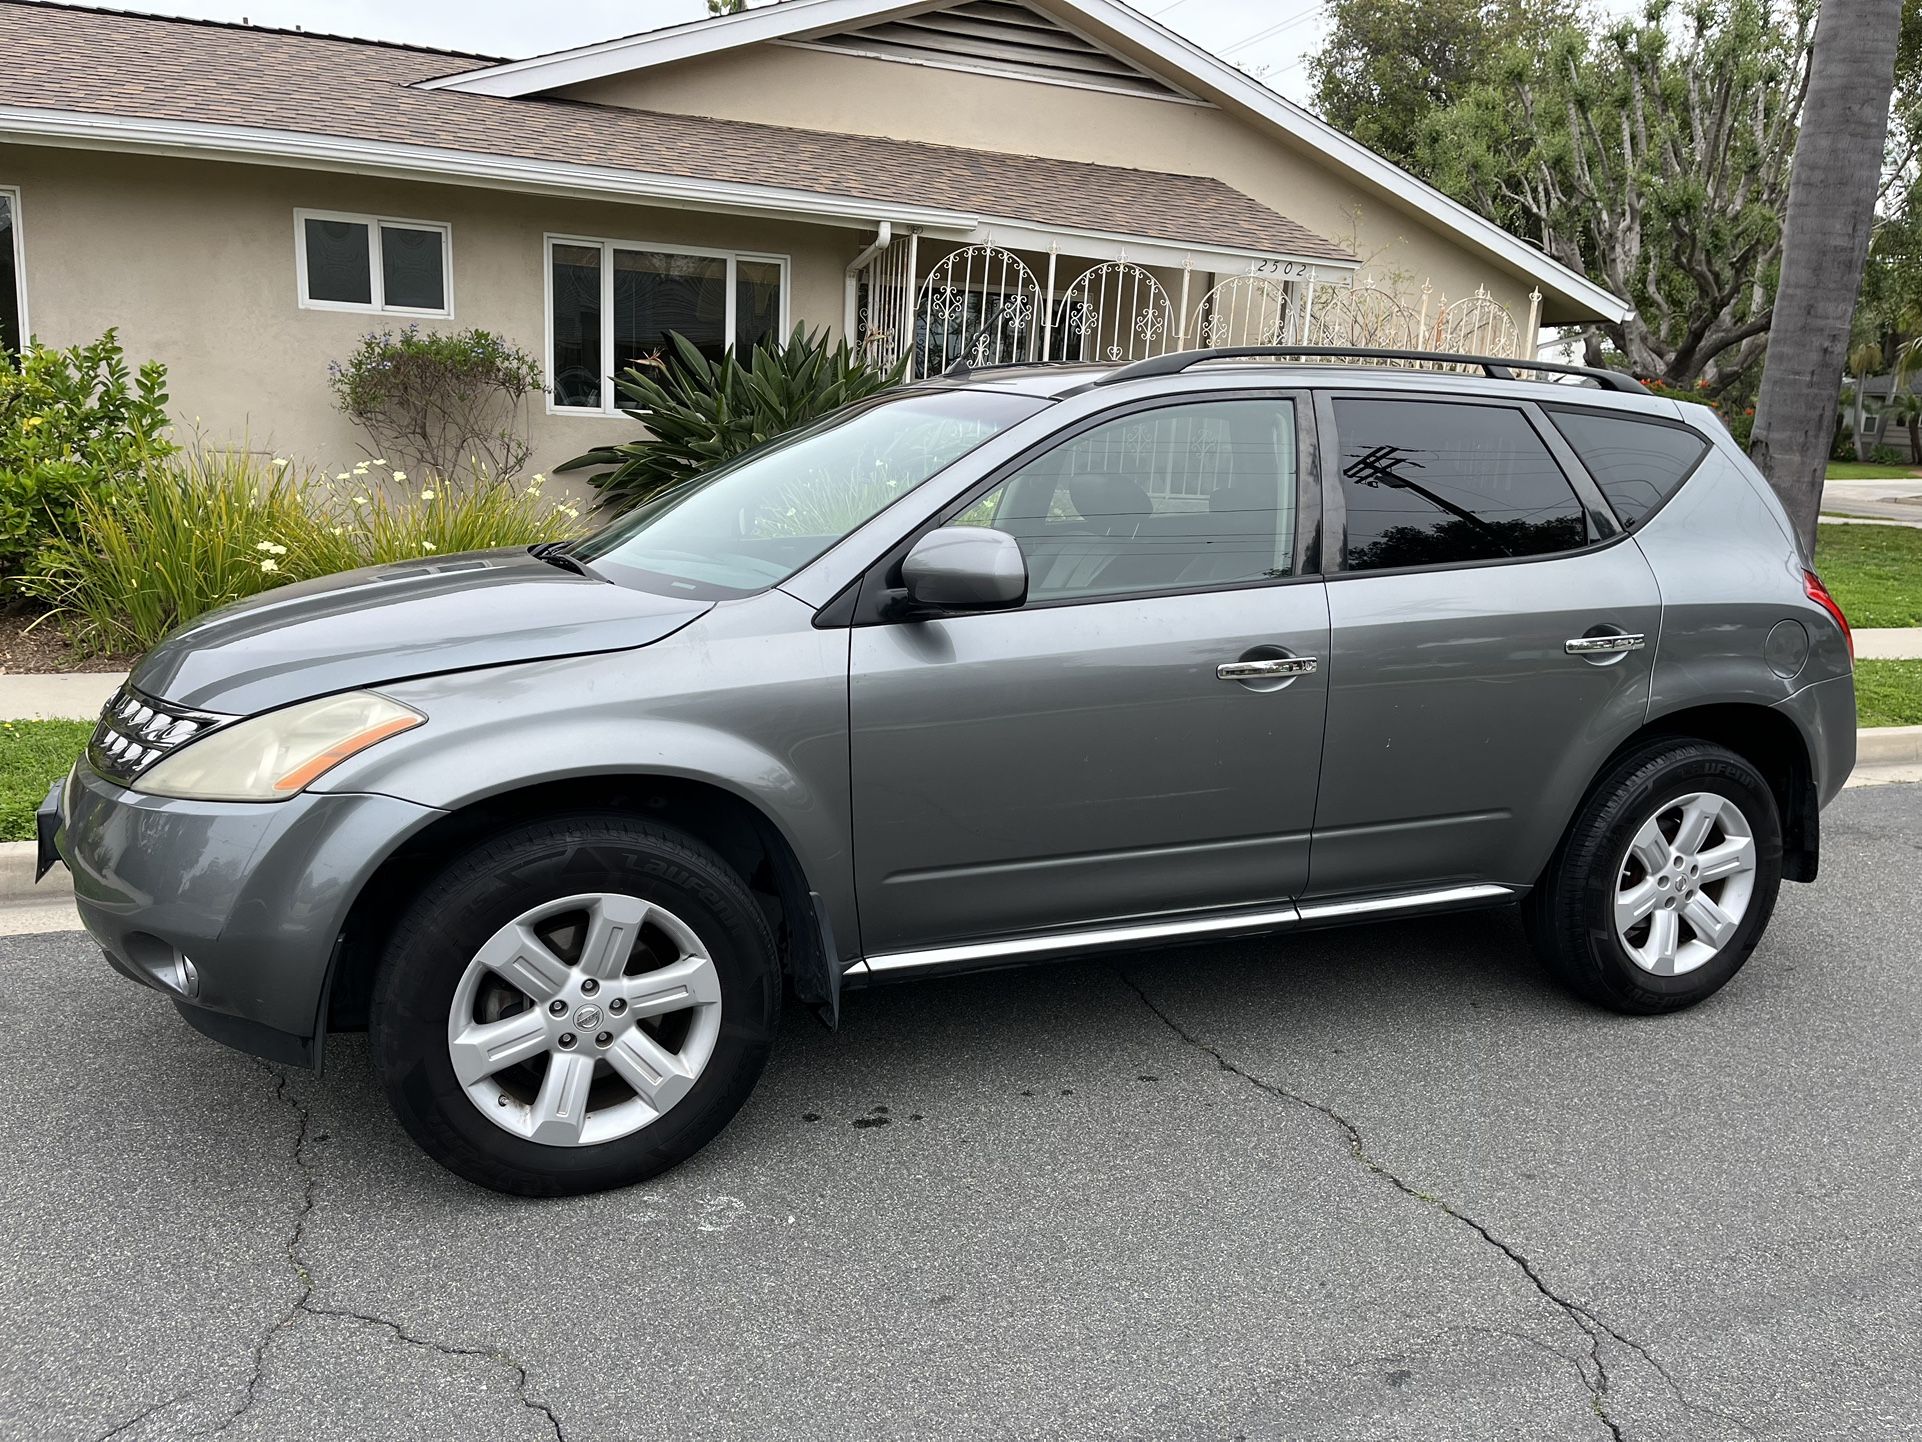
233,910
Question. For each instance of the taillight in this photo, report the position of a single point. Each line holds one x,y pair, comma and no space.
1819,594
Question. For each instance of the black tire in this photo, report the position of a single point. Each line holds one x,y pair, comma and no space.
1570,914
498,881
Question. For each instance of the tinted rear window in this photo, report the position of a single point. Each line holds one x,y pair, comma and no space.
1638,464
1431,483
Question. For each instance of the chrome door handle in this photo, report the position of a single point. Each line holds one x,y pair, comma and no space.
1267,670
1598,645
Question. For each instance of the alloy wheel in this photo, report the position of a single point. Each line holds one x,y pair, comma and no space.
1684,884
584,1019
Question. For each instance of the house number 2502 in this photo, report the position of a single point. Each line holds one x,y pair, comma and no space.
1290,269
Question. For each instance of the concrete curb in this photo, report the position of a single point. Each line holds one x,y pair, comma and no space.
1888,746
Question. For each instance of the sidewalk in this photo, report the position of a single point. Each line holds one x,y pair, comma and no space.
1888,643
73,695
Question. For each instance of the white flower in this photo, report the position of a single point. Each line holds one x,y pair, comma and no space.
361,469
270,566
344,475
569,512
280,463
340,530
427,545
427,495
379,461
538,479
360,500
264,546
398,475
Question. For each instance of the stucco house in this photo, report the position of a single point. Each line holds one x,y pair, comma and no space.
980,179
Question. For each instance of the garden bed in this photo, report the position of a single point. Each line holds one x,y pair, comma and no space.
30,644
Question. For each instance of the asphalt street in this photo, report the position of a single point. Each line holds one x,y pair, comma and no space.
1380,1183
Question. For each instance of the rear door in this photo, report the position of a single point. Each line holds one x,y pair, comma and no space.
1085,758
1492,635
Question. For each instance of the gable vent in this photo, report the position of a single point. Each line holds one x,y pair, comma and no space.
1003,38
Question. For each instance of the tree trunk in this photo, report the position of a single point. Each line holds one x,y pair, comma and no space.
1861,414
1838,165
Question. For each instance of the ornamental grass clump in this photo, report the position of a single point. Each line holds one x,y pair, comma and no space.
183,536
208,527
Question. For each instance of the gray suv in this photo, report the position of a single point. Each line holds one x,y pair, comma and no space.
1018,664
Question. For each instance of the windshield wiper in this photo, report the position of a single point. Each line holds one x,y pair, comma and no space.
555,553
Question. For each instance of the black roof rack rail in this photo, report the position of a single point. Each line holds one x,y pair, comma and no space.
1497,367
960,367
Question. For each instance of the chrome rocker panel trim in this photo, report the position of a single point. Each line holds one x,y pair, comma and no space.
1097,938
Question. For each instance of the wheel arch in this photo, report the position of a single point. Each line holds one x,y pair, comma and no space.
1769,741
742,832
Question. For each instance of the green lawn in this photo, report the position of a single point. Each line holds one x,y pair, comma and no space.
1869,471
32,754
1874,571
1888,693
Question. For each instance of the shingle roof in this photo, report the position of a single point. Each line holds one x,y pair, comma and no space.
152,68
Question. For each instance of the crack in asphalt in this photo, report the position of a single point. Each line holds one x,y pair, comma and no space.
304,1303
141,1416
1595,1328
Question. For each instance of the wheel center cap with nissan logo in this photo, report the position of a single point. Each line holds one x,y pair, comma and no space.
587,1018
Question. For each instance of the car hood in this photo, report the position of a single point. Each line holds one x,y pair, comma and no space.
388,623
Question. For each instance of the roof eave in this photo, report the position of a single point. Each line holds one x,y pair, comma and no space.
1566,289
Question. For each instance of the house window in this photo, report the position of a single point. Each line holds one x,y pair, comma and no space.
368,262
611,304
13,276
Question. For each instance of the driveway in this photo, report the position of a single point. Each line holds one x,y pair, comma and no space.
1381,1183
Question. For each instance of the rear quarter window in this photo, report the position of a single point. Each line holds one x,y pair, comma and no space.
1637,463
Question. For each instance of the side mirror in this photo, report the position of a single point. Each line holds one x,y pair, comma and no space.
965,568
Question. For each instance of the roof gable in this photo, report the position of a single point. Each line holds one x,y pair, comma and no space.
1179,62
996,37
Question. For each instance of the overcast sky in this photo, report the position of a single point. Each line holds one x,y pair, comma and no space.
1270,38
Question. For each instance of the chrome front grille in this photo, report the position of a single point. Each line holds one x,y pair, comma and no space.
136,730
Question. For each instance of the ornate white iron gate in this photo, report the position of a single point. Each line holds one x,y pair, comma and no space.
1246,310
1114,312
981,305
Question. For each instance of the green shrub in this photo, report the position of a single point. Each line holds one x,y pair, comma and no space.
446,404
1740,419
205,528
73,423
699,414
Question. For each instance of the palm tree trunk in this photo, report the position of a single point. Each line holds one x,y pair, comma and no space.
1838,163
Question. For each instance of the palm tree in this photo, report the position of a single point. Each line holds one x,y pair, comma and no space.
1831,207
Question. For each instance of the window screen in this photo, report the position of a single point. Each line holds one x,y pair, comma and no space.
413,273
338,267
577,325
1638,464
1435,483
1178,498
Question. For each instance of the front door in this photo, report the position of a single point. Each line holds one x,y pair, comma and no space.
1084,758
1492,638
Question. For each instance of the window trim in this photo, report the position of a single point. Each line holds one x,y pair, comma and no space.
12,193
869,606
607,247
377,279
1335,506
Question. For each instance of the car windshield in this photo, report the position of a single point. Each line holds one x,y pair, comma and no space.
753,523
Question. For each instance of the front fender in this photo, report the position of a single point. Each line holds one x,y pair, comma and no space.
758,711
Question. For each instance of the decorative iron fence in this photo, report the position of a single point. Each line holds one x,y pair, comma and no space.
984,305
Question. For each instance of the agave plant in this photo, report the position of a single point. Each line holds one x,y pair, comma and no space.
699,413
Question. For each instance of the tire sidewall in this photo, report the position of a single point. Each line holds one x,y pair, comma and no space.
446,927
1599,860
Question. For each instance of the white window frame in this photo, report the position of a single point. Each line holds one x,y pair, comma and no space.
376,271
607,247
12,193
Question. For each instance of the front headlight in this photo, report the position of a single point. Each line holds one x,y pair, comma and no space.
277,755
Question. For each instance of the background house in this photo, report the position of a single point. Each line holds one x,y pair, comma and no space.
992,179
